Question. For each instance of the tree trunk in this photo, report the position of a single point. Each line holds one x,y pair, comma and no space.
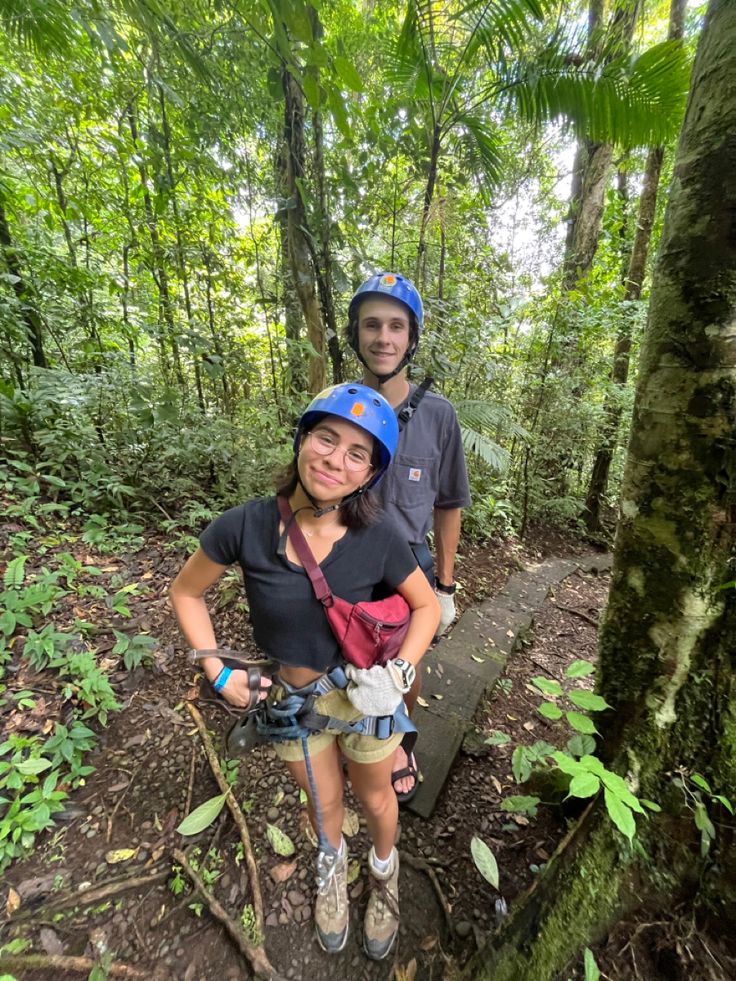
633,282
299,248
323,264
669,631
158,261
421,265
24,293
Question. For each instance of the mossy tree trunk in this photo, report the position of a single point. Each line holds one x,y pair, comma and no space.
667,642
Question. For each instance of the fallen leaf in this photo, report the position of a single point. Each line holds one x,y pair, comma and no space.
475,657
423,702
509,633
497,784
407,973
353,871
350,823
307,830
278,797
428,943
116,787
120,855
12,903
438,697
283,871
529,726
279,841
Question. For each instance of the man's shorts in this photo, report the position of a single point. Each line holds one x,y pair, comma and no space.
354,745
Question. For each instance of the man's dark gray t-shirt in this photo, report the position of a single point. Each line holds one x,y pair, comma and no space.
428,470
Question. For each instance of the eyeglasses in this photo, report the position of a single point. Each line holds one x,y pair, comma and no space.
355,458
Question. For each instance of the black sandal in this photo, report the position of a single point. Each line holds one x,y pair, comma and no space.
410,770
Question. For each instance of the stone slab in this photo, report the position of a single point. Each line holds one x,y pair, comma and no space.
465,664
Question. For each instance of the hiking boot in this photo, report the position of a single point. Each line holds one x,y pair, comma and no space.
382,915
331,908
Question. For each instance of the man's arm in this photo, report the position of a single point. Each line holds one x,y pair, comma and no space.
446,541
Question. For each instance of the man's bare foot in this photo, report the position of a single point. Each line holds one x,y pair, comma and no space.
407,783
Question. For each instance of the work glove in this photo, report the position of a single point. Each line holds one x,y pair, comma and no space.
373,691
447,611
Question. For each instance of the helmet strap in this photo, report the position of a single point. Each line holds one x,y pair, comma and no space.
320,512
382,379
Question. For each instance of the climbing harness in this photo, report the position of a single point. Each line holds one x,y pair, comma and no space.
294,717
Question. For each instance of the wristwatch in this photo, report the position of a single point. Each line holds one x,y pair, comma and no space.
403,673
443,588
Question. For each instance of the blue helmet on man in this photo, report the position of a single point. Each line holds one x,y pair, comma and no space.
362,406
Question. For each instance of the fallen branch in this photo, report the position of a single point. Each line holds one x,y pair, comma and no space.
60,963
421,865
238,817
577,613
92,895
255,953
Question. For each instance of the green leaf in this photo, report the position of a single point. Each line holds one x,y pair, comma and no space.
547,687
588,700
520,804
591,968
700,782
520,765
584,785
485,860
568,765
33,766
497,738
617,785
579,669
549,710
203,816
620,814
725,801
279,841
348,73
581,723
13,577
579,745
650,805
703,822
311,91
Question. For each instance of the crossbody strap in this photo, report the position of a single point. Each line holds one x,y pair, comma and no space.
321,590
412,405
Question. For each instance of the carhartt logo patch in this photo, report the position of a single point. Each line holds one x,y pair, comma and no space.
415,473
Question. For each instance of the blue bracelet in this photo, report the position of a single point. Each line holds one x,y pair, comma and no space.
221,680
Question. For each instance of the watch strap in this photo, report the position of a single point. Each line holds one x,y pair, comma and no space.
442,587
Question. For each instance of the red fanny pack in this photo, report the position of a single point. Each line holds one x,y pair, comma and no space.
369,632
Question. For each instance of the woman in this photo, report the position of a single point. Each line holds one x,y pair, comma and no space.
344,442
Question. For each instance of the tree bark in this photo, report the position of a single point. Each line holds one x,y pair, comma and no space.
633,282
668,635
299,248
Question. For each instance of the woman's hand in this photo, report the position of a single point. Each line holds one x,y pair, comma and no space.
373,691
245,689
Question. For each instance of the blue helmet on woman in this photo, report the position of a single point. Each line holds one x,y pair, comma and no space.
395,287
362,406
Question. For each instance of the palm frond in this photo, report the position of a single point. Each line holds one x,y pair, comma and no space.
482,148
483,414
498,24
42,26
491,453
631,102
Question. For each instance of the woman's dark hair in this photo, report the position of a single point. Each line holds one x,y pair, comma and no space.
355,514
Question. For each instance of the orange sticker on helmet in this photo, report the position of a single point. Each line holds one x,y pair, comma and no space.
388,280
358,409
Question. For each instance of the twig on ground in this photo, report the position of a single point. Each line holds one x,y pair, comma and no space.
577,613
190,788
254,953
421,865
93,895
62,963
238,817
544,668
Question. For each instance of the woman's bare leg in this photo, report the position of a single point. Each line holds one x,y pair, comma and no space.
371,784
328,778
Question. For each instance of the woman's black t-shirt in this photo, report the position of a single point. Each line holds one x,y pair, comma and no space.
289,624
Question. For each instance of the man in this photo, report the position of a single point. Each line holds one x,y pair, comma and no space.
426,484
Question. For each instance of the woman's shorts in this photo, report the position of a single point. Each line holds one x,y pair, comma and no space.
354,745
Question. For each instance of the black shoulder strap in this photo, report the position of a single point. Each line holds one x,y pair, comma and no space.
413,404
